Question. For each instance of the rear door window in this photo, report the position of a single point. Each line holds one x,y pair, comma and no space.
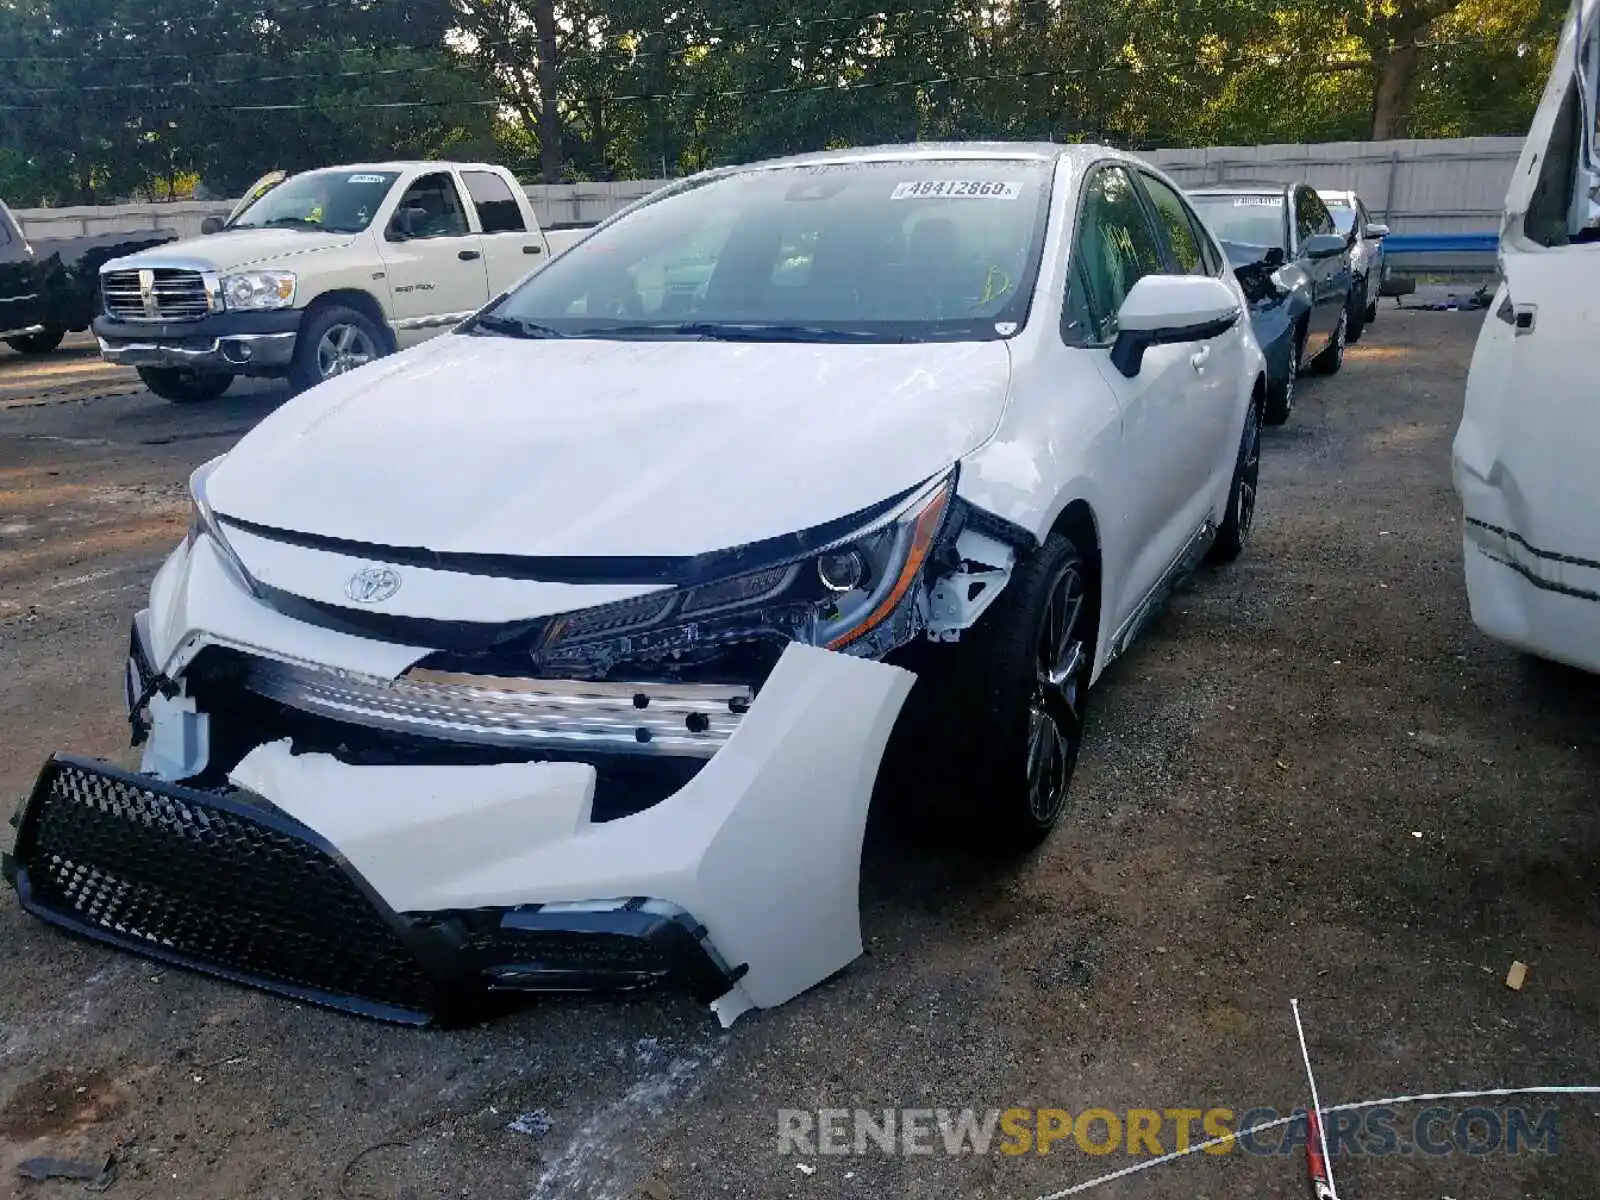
1177,227
498,210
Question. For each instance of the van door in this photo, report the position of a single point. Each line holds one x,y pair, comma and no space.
1525,452
510,248
433,259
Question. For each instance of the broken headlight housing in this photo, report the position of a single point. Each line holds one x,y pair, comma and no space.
833,596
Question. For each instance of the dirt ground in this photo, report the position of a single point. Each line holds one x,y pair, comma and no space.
1313,779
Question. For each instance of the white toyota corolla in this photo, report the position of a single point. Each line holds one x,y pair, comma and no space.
567,651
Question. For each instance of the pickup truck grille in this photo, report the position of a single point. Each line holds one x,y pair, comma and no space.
173,295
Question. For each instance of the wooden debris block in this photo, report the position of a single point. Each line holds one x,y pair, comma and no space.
1515,976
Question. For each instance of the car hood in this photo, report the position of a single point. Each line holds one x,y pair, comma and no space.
587,447
230,250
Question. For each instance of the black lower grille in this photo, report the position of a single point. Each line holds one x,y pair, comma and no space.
231,886
211,882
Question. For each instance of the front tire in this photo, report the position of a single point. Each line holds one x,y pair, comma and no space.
181,386
1331,359
37,343
1240,516
1003,740
1280,395
1357,320
333,340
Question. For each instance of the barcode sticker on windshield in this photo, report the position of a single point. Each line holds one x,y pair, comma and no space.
365,179
1257,201
966,189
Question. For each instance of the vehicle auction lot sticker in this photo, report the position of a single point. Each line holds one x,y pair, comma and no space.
1257,201
964,189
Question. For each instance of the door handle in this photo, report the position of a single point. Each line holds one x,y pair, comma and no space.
467,255
1200,358
530,249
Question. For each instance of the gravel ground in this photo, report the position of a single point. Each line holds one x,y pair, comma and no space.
1312,779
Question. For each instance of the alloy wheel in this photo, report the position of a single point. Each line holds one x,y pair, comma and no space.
343,348
1055,708
1249,475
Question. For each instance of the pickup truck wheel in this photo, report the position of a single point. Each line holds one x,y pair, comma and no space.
1330,360
1241,514
1010,719
182,386
333,340
37,343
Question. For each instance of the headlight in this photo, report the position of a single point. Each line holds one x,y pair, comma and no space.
253,291
203,521
833,596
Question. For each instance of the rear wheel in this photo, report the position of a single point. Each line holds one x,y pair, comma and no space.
37,343
1330,360
182,386
1002,742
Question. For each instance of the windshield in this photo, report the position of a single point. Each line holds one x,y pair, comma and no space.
337,201
1254,220
900,250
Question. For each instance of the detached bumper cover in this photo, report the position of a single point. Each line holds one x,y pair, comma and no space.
241,891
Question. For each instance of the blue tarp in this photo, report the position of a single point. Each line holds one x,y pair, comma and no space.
1441,243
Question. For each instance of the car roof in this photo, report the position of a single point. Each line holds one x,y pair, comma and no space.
406,164
1078,154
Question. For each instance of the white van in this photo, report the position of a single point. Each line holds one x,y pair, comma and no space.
1527,455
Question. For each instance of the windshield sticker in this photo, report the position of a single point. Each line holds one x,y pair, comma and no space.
365,179
966,189
1336,203
1257,201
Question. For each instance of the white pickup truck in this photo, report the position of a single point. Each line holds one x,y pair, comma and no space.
317,273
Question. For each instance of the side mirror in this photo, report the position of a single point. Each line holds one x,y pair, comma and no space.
1162,309
1326,245
1376,230
212,225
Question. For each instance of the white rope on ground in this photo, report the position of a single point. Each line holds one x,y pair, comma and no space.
1356,1106
1316,1104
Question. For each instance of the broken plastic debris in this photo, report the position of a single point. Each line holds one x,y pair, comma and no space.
1416,833
1515,976
805,1168
533,1124
98,1177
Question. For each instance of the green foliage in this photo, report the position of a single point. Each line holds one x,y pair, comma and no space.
101,99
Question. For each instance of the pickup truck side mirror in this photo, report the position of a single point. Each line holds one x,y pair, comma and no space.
212,225
1162,309
1375,230
1325,245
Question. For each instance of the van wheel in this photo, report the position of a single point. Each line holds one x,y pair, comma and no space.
332,341
37,343
182,386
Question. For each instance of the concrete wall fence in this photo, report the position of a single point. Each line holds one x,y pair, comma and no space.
1451,185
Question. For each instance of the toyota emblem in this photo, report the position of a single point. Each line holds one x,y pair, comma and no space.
372,585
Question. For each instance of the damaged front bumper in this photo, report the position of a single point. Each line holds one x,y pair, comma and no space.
416,891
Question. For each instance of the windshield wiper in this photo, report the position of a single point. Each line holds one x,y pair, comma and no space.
741,331
504,326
